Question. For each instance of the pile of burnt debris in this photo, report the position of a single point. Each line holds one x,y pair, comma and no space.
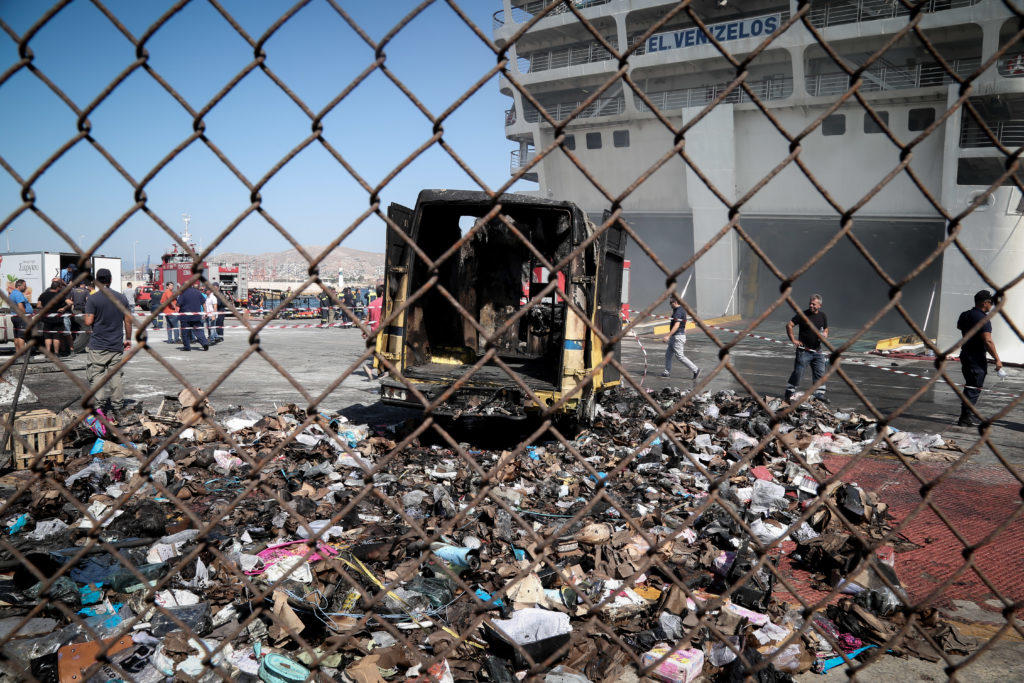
299,546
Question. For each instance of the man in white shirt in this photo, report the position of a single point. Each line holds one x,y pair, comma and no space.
210,315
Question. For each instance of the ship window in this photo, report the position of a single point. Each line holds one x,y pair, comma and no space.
621,138
919,119
569,142
593,141
984,171
834,125
870,127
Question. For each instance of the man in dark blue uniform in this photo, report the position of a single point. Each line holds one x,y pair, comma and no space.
191,318
973,362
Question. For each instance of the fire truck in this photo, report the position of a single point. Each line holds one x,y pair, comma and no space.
176,267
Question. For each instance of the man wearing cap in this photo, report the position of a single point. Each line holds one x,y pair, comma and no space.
111,337
973,362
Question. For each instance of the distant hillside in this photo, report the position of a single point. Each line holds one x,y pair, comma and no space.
290,265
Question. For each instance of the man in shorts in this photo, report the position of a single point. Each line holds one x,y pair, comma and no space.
53,324
20,304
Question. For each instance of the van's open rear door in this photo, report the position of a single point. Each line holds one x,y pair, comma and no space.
397,263
609,291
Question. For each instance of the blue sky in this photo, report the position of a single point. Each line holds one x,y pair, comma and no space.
197,52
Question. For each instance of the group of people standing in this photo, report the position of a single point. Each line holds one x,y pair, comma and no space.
194,315
354,301
102,315
808,329
63,329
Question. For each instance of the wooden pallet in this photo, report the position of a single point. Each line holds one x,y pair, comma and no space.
38,429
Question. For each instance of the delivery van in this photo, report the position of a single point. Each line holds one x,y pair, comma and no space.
498,276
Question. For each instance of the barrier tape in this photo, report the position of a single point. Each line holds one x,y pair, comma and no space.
643,349
225,327
175,314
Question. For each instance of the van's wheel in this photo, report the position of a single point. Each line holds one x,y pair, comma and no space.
587,410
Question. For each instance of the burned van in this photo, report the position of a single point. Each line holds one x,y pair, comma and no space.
477,326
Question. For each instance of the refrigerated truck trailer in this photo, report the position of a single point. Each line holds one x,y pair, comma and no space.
38,268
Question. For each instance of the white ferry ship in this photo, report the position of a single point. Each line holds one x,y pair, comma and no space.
561,64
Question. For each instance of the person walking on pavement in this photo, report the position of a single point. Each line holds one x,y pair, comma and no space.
111,337
973,362
808,346
191,319
676,339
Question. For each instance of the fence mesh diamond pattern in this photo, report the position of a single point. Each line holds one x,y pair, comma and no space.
651,533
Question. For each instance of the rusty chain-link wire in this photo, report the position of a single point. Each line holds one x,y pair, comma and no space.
542,540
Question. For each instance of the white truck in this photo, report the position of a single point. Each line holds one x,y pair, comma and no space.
37,269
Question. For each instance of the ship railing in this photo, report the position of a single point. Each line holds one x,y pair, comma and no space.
519,160
1012,65
510,116
774,88
837,12
605,106
821,15
1010,132
886,77
519,16
526,11
570,55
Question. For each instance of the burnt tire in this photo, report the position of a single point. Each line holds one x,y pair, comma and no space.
586,413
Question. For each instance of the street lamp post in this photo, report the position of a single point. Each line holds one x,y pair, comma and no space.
135,264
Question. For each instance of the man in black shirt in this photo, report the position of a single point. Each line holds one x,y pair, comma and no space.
53,324
973,363
111,337
349,300
676,339
808,346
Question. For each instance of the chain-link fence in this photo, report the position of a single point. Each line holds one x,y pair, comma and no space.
629,532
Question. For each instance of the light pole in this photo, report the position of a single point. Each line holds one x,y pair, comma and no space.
135,265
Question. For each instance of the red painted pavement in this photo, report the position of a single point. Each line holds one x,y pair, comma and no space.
974,499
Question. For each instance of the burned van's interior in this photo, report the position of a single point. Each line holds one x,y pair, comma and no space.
464,283
491,276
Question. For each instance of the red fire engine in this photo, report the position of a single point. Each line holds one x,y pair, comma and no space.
176,267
